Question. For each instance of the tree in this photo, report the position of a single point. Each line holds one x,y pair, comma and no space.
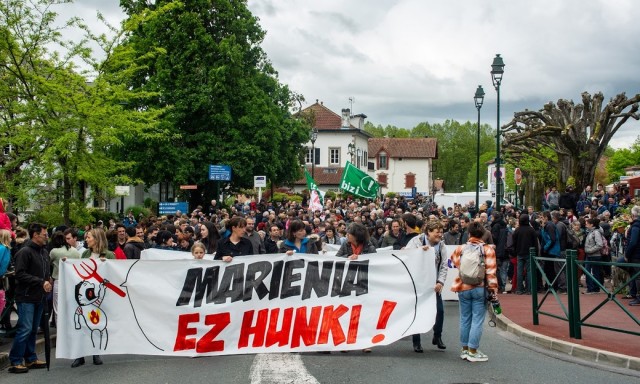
577,134
457,144
226,104
59,127
621,159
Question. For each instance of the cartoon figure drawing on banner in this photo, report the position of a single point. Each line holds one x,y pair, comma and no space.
90,313
89,302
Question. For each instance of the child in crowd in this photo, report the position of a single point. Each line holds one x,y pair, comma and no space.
198,250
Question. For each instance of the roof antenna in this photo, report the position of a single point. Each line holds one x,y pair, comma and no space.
351,100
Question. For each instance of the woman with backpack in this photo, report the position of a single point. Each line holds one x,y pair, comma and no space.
593,244
476,263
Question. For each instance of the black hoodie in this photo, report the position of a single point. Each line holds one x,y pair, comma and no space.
524,237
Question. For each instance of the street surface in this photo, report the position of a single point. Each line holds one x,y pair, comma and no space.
510,361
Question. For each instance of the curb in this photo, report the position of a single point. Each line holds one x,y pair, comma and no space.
4,356
590,354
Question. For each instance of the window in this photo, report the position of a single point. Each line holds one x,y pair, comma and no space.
382,179
309,156
410,180
383,161
334,156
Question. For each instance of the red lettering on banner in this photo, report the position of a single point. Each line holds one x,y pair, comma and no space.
182,342
207,343
385,313
258,331
354,323
281,337
303,329
331,324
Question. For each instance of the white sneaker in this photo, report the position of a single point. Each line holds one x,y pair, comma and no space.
478,356
464,354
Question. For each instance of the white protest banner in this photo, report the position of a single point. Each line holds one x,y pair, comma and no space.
254,304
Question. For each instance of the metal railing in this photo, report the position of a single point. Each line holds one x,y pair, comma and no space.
571,311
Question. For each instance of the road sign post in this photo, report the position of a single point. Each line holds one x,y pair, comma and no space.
259,182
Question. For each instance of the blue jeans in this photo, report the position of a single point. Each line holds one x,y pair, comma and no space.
503,268
523,266
472,312
24,342
596,271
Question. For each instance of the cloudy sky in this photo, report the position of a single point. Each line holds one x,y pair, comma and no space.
408,61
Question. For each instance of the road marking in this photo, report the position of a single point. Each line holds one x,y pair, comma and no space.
270,368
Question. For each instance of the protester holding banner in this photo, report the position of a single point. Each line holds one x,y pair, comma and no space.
297,240
432,238
235,244
97,245
209,236
472,298
357,243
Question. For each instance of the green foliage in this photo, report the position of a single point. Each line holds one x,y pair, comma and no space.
279,196
330,195
621,159
99,214
225,103
60,126
390,194
457,148
151,204
137,210
52,216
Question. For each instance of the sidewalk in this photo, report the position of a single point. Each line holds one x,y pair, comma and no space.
617,349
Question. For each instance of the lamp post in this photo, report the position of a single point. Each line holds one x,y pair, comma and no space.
314,137
351,150
497,70
478,98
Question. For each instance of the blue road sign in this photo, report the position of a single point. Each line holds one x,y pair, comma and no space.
220,172
170,207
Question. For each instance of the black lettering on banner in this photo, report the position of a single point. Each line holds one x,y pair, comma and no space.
208,284
252,283
319,283
275,280
231,285
289,278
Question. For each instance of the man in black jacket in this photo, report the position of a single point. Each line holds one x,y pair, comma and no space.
33,283
524,238
134,245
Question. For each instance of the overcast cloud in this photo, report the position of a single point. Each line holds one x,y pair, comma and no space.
409,61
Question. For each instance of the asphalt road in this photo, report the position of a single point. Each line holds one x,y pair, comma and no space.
510,361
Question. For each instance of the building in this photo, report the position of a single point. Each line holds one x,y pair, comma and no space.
341,138
400,165
404,165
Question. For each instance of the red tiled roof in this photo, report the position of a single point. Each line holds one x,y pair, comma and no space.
325,119
323,176
421,147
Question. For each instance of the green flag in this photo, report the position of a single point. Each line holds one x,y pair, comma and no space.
358,182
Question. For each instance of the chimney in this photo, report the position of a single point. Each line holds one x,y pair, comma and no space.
346,117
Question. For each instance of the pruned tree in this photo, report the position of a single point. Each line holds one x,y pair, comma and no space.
577,133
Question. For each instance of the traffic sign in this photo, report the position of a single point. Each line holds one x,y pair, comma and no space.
518,176
170,207
259,181
188,187
220,172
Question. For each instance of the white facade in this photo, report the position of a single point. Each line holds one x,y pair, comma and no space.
397,172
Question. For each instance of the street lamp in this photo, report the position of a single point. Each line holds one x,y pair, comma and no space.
497,70
351,150
478,98
314,137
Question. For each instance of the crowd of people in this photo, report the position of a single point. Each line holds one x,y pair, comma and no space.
596,230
